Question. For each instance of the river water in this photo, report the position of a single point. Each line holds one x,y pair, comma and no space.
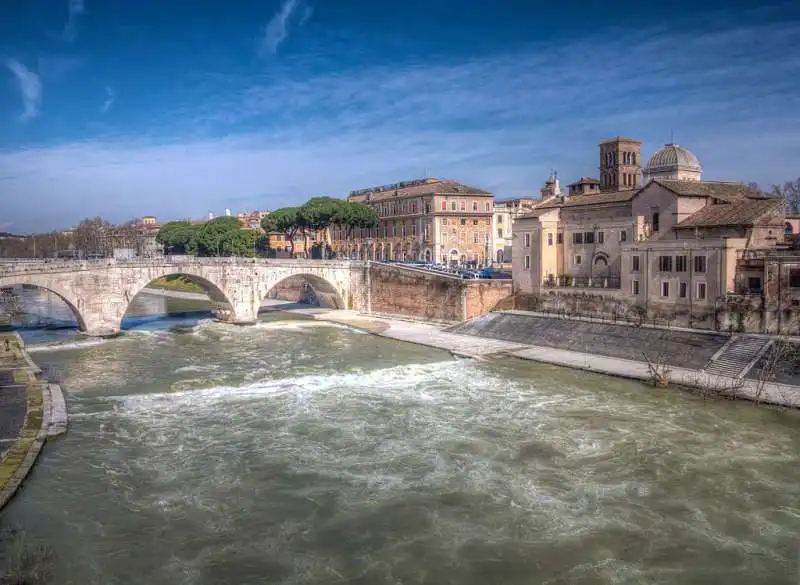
299,452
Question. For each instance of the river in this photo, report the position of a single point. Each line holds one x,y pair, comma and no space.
300,452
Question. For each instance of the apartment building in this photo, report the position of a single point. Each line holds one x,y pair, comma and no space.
434,220
669,245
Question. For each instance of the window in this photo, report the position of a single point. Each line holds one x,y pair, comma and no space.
527,240
588,238
414,229
701,290
444,221
699,263
635,263
655,221
794,277
474,222
463,205
577,238
549,239
404,229
463,221
499,220
488,206
680,263
623,236
444,205
664,289
474,206
635,287
577,260
427,231
560,238
475,238
682,290
665,263
601,237
527,262
499,232
754,283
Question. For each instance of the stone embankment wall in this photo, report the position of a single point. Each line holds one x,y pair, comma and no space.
43,414
734,314
418,293
685,349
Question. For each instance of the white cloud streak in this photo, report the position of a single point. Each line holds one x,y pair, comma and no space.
29,86
110,97
500,123
277,29
75,8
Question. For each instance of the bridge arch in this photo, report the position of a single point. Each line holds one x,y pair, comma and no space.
72,301
292,288
215,291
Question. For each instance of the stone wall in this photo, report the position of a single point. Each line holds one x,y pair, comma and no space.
732,314
483,296
418,293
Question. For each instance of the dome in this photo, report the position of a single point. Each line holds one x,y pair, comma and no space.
672,158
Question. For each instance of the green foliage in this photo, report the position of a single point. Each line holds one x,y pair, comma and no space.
179,237
224,236
287,221
318,213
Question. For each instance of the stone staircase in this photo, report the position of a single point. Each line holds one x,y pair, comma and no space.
737,356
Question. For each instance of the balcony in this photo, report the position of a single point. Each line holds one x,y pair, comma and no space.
606,281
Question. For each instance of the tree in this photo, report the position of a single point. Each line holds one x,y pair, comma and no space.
318,213
220,236
88,236
286,221
790,191
179,236
353,215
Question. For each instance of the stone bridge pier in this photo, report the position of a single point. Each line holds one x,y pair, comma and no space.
100,292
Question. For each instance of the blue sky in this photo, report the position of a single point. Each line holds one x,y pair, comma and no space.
129,108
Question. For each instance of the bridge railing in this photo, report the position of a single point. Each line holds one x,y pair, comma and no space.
15,266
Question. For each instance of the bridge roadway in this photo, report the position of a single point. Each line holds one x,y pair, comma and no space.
99,291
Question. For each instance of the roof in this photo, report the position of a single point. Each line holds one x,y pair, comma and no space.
620,139
429,187
744,212
585,180
594,199
671,157
716,189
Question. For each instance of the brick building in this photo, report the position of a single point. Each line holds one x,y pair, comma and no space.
434,220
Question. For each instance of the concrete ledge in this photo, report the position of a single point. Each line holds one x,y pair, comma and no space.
46,410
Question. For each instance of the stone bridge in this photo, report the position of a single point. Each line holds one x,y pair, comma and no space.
99,291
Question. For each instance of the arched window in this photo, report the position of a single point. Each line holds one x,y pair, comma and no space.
655,221
600,260
499,256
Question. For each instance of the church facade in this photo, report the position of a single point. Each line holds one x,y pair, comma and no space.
659,237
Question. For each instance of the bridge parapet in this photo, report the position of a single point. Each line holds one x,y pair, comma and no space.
99,291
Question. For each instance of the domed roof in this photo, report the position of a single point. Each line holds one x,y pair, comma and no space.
673,156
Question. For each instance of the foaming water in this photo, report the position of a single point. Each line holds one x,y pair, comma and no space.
295,452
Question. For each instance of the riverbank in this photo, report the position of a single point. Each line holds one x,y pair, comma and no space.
30,411
485,348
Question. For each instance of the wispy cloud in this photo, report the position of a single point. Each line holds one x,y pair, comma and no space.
75,8
501,122
110,97
277,29
29,86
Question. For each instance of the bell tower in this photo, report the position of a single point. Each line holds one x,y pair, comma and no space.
620,164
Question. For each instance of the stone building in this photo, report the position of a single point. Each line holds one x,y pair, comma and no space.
433,220
670,245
